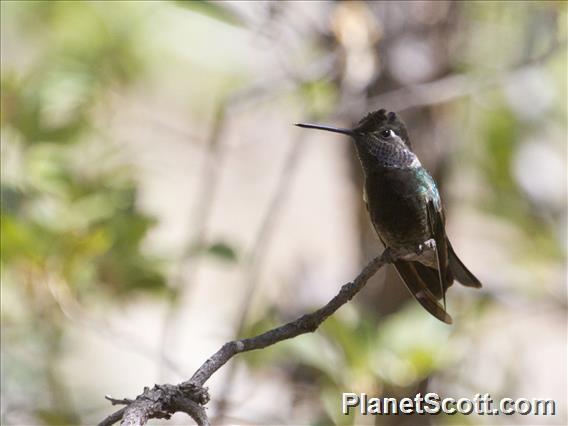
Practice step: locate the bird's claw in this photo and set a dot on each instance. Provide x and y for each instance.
(426, 245)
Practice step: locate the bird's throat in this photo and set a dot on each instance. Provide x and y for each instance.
(388, 155)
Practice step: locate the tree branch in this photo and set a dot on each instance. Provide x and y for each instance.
(445, 89)
(190, 396)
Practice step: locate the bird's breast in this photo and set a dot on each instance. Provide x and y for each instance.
(396, 202)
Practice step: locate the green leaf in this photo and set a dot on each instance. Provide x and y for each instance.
(221, 251)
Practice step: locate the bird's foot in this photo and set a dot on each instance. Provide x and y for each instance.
(411, 254)
(429, 245)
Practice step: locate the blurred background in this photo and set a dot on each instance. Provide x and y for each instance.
(157, 201)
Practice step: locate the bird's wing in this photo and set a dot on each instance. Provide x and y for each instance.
(415, 281)
(412, 278)
(417, 287)
(438, 231)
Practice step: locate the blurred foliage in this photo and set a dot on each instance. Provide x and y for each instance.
(505, 121)
(502, 133)
(72, 230)
(353, 352)
(69, 212)
(212, 9)
(59, 208)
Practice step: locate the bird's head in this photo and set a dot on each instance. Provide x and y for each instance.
(382, 127)
(380, 137)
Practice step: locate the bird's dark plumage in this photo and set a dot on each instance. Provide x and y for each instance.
(406, 210)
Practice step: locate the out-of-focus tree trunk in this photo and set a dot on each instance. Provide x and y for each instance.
(395, 32)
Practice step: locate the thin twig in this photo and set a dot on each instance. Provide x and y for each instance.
(190, 396)
(443, 90)
(76, 313)
(305, 324)
(209, 184)
(114, 401)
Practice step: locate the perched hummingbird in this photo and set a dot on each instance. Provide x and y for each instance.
(406, 209)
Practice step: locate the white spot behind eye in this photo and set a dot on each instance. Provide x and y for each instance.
(388, 133)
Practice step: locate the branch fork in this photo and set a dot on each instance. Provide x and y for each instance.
(191, 396)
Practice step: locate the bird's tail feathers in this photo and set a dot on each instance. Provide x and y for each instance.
(419, 289)
(459, 270)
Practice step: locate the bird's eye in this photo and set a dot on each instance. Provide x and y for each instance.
(387, 133)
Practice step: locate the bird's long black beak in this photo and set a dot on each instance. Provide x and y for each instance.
(348, 132)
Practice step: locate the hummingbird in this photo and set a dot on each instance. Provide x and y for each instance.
(406, 209)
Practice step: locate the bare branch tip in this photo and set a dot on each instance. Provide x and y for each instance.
(190, 397)
(116, 401)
